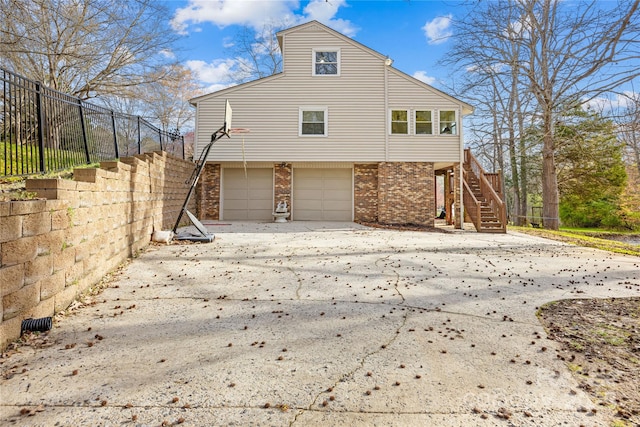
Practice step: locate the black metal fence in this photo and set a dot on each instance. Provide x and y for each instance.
(43, 130)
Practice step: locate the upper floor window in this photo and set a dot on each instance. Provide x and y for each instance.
(326, 62)
(313, 121)
(424, 122)
(399, 122)
(448, 123)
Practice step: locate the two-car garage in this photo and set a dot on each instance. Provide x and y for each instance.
(318, 194)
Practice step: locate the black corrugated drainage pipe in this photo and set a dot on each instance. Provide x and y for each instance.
(36, 325)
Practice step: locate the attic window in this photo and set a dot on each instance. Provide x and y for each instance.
(326, 62)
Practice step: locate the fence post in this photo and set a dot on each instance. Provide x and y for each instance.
(139, 138)
(40, 130)
(115, 134)
(84, 132)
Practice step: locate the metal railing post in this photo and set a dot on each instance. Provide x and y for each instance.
(139, 138)
(84, 132)
(40, 118)
(115, 134)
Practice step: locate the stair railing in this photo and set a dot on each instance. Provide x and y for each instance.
(488, 191)
(473, 207)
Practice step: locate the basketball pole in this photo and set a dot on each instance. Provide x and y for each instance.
(198, 171)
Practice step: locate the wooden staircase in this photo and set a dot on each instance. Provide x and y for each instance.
(483, 198)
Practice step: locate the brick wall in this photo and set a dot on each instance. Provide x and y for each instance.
(365, 192)
(282, 188)
(52, 250)
(209, 192)
(406, 193)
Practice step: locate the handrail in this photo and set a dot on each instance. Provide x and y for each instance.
(470, 200)
(487, 187)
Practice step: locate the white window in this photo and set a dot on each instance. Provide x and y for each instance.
(448, 124)
(326, 62)
(423, 122)
(313, 121)
(399, 122)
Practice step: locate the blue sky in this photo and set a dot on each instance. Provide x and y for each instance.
(412, 33)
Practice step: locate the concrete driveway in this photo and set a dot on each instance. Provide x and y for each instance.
(320, 324)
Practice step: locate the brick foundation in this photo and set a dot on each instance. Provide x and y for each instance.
(365, 193)
(209, 192)
(406, 193)
(282, 188)
(389, 193)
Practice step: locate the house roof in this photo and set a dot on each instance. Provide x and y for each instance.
(466, 108)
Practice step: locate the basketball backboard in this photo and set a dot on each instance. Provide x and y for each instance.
(228, 113)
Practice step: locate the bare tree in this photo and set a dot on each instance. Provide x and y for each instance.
(567, 54)
(257, 53)
(167, 100)
(575, 54)
(486, 48)
(628, 121)
(86, 48)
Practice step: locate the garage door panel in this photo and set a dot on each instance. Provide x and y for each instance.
(337, 195)
(309, 184)
(333, 184)
(337, 173)
(236, 194)
(259, 194)
(336, 205)
(247, 197)
(308, 204)
(322, 194)
(236, 204)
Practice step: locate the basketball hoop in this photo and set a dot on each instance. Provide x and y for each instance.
(234, 131)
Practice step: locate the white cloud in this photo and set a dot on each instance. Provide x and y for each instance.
(216, 72)
(423, 77)
(167, 54)
(224, 13)
(438, 30)
(615, 102)
(324, 12)
(256, 14)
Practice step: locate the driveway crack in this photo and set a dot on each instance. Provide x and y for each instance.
(383, 347)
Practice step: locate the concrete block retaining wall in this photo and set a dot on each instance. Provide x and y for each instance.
(52, 250)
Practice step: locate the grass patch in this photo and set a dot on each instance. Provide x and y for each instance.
(24, 159)
(582, 237)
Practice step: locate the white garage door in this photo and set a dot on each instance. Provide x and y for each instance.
(322, 195)
(247, 198)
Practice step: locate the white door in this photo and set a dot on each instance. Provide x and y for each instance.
(322, 195)
(247, 198)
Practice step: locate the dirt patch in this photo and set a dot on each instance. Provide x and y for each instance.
(600, 341)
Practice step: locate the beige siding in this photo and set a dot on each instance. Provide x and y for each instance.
(406, 94)
(357, 113)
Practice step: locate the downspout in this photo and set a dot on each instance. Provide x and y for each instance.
(461, 136)
(387, 63)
